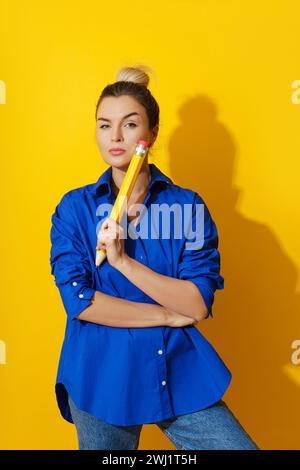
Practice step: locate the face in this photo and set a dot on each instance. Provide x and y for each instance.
(115, 130)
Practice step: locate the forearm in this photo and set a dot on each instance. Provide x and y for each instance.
(178, 295)
(113, 311)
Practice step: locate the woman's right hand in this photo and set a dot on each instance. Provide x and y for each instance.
(176, 319)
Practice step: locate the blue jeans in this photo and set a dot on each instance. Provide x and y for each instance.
(214, 427)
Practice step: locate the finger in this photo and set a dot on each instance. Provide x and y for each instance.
(110, 228)
(102, 247)
(104, 225)
(112, 232)
(114, 229)
(102, 238)
(113, 223)
(117, 228)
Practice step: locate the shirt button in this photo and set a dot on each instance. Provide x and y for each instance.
(163, 382)
(141, 256)
(81, 296)
(160, 351)
(74, 283)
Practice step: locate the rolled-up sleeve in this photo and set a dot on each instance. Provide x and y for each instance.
(69, 261)
(201, 262)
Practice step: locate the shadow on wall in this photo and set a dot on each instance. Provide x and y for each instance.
(256, 316)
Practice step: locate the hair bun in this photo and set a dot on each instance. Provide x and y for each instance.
(134, 74)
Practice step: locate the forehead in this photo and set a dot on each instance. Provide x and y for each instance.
(112, 107)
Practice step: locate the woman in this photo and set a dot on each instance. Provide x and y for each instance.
(131, 353)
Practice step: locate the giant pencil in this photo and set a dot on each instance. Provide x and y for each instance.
(126, 189)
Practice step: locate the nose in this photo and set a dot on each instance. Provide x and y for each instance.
(116, 135)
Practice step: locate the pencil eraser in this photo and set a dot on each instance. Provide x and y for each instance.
(144, 142)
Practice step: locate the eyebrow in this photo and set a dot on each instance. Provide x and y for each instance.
(124, 117)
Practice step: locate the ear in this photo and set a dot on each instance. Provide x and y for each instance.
(154, 133)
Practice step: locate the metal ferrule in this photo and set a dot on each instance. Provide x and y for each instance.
(140, 150)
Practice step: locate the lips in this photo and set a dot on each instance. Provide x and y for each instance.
(116, 151)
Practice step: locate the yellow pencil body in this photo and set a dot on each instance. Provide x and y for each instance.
(125, 189)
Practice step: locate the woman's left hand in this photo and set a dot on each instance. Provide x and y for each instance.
(110, 240)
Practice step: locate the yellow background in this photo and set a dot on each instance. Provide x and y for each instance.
(229, 130)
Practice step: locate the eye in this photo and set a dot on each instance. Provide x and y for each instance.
(102, 127)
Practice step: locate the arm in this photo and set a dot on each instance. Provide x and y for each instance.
(73, 277)
(113, 311)
(178, 295)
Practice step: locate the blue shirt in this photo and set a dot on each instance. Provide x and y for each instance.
(129, 376)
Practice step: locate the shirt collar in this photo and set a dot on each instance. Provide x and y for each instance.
(105, 179)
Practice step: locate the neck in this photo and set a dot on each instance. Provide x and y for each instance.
(141, 184)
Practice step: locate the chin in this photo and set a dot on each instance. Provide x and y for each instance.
(120, 160)
(119, 164)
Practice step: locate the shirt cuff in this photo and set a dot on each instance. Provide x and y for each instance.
(75, 298)
(207, 293)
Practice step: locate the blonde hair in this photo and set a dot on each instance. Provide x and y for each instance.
(136, 74)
